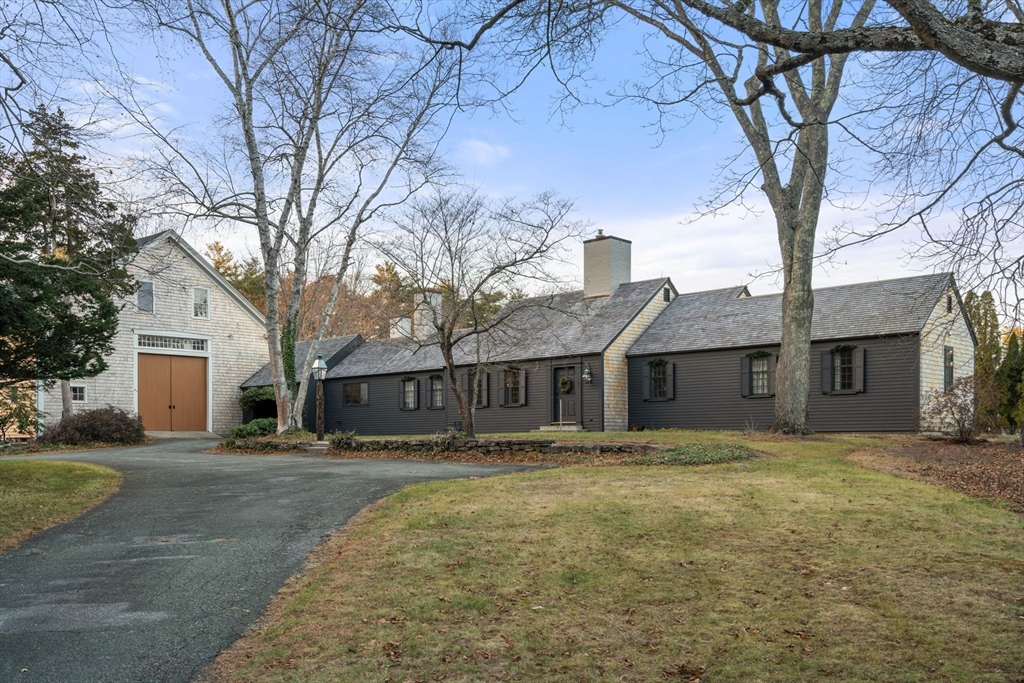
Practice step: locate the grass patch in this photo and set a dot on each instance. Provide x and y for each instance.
(35, 495)
(798, 567)
(696, 454)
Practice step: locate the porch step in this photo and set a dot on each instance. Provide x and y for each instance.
(561, 428)
(318, 447)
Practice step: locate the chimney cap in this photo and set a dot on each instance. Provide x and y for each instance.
(602, 236)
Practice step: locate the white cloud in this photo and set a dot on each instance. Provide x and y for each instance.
(482, 153)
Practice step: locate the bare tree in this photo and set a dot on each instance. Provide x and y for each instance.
(701, 64)
(460, 253)
(330, 120)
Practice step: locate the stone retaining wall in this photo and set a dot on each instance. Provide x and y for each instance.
(493, 446)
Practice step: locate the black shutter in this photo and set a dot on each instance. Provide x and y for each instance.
(502, 389)
(464, 384)
(401, 394)
(647, 382)
(773, 360)
(670, 380)
(745, 376)
(522, 387)
(826, 372)
(858, 370)
(485, 389)
(416, 395)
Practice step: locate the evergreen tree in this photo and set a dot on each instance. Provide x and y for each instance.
(245, 276)
(985, 320)
(1008, 380)
(64, 250)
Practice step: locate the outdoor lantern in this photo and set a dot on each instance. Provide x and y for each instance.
(320, 369)
(587, 377)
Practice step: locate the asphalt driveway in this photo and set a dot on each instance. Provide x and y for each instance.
(152, 584)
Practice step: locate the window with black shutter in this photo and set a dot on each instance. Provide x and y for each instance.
(842, 370)
(436, 391)
(408, 400)
(513, 387)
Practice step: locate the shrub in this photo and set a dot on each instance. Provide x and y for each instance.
(341, 440)
(257, 428)
(103, 425)
(954, 411)
(695, 454)
(253, 395)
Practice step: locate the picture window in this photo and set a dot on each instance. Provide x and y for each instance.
(356, 394)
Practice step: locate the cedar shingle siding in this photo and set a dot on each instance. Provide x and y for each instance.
(708, 391)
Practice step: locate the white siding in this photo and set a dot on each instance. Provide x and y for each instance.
(944, 329)
(616, 366)
(236, 345)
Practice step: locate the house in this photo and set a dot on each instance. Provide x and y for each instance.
(333, 350)
(185, 342)
(878, 348)
(559, 362)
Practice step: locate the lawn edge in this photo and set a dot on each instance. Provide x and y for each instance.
(18, 539)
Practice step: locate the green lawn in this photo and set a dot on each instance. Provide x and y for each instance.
(803, 566)
(37, 494)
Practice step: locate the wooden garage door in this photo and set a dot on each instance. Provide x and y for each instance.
(172, 393)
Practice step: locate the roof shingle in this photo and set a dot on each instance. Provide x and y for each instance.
(543, 327)
(718, 319)
(328, 347)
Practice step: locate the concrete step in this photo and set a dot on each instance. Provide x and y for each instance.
(318, 447)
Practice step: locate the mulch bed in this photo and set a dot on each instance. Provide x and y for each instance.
(991, 470)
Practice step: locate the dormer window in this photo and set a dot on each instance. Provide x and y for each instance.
(201, 303)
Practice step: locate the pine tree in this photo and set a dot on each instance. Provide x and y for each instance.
(64, 250)
(1008, 380)
(985, 320)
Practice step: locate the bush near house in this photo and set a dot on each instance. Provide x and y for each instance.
(264, 426)
(102, 425)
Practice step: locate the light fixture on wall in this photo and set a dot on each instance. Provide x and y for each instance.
(588, 377)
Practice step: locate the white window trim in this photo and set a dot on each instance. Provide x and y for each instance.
(139, 310)
(208, 297)
(85, 393)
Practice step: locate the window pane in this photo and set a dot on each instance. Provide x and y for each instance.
(409, 394)
(144, 297)
(659, 388)
(355, 394)
(842, 370)
(200, 303)
(759, 375)
(78, 394)
(511, 387)
(436, 392)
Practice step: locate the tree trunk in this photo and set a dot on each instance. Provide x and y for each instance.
(793, 372)
(67, 405)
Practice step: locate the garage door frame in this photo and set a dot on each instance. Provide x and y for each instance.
(162, 351)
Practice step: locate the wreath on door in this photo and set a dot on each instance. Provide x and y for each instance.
(565, 385)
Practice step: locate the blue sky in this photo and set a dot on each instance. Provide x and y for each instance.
(624, 179)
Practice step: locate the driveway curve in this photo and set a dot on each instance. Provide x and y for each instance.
(153, 583)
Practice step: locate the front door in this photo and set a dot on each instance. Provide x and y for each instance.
(172, 393)
(566, 391)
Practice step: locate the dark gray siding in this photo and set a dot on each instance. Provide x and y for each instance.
(707, 390)
(382, 415)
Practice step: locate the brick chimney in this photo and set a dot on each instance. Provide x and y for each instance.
(606, 264)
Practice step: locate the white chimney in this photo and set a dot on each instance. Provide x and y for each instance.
(401, 328)
(427, 305)
(606, 264)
